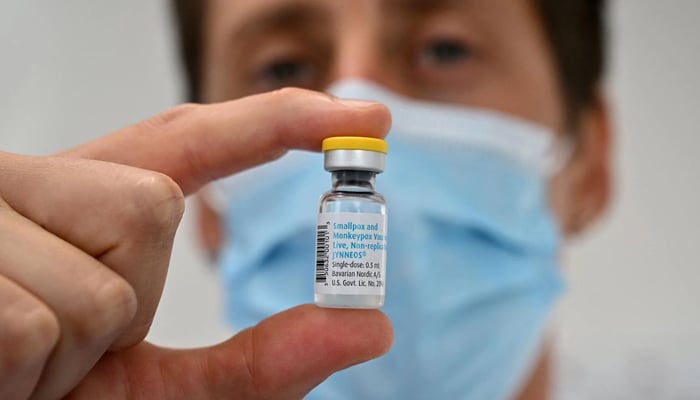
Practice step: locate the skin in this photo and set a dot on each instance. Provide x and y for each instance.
(85, 235)
(249, 44)
(489, 54)
(85, 241)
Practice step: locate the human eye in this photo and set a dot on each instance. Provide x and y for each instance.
(440, 56)
(442, 52)
(286, 71)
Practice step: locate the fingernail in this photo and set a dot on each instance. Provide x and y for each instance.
(357, 103)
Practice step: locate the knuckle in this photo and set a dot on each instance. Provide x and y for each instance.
(252, 366)
(157, 203)
(163, 123)
(105, 310)
(166, 198)
(28, 333)
(172, 115)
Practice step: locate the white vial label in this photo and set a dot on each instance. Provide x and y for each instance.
(350, 253)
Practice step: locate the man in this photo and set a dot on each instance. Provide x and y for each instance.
(539, 61)
(84, 246)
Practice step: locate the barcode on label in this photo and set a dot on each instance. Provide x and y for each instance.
(322, 238)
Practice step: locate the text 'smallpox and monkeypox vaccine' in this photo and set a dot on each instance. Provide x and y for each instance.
(351, 230)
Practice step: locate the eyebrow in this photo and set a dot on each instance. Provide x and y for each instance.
(287, 17)
(418, 7)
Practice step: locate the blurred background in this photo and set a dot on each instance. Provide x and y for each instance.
(629, 326)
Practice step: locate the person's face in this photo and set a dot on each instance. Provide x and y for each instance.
(481, 53)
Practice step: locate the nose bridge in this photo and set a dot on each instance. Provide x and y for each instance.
(356, 56)
(358, 47)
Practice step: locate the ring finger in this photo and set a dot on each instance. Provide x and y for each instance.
(91, 303)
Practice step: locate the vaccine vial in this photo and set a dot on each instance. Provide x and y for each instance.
(351, 229)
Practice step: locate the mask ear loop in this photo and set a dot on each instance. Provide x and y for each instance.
(558, 156)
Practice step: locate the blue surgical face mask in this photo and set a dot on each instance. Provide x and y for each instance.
(472, 248)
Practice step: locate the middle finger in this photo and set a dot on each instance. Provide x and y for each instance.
(92, 303)
(125, 217)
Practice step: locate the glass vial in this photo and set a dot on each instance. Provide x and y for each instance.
(351, 229)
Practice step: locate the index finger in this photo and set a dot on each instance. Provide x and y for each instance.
(195, 144)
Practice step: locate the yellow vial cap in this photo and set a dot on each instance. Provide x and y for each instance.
(354, 143)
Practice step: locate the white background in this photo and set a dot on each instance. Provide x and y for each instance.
(629, 326)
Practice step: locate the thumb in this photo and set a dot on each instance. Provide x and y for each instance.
(283, 357)
(288, 354)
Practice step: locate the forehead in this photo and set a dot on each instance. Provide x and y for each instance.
(246, 15)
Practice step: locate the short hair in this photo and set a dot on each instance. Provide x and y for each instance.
(189, 20)
(575, 30)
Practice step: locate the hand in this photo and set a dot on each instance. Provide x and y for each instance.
(85, 241)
